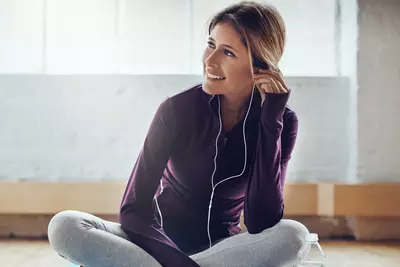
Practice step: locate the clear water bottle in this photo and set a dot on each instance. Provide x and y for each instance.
(311, 254)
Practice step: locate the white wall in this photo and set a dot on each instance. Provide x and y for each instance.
(379, 91)
(77, 127)
(57, 128)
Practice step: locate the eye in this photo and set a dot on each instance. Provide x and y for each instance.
(229, 53)
(210, 44)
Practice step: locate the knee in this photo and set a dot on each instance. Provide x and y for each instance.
(293, 233)
(63, 227)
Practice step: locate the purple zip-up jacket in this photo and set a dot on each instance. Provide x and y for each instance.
(186, 154)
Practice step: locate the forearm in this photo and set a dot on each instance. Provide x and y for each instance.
(264, 196)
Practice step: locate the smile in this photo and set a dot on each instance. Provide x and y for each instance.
(215, 76)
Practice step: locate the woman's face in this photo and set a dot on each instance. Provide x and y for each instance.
(226, 63)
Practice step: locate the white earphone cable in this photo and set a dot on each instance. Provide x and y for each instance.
(215, 161)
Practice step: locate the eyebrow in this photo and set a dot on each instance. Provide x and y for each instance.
(223, 44)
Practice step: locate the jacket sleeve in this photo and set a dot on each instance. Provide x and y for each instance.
(137, 216)
(264, 197)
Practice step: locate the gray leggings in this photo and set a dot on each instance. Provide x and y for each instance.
(93, 242)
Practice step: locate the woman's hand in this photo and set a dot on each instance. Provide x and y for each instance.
(270, 82)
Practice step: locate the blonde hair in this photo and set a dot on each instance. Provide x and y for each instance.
(261, 28)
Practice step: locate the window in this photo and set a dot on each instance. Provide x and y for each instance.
(21, 36)
(148, 37)
(155, 37)
(80, 36)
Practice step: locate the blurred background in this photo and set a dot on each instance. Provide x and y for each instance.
(80, 81)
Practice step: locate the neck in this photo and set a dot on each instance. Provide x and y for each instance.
(233, 109)
(235, 103)
(232, 104)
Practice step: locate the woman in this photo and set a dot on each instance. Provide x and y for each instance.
(211, 152)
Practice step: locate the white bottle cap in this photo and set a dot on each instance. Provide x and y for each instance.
(312, 237)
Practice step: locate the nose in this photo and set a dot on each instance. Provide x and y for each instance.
(211, 61)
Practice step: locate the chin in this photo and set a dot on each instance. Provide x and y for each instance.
(207, 88)
(211, 88)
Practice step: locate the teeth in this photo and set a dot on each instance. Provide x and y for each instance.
(215, 77)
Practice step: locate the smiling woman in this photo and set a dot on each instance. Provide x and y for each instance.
(232, 64)
(212, 152)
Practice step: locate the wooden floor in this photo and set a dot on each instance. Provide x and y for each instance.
(24, 253)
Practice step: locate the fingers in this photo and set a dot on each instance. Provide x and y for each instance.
(270, 85)
(268, 88)
(270, 73)
(279, 87)
(274, 76)
(275, 86)
(265, 85)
